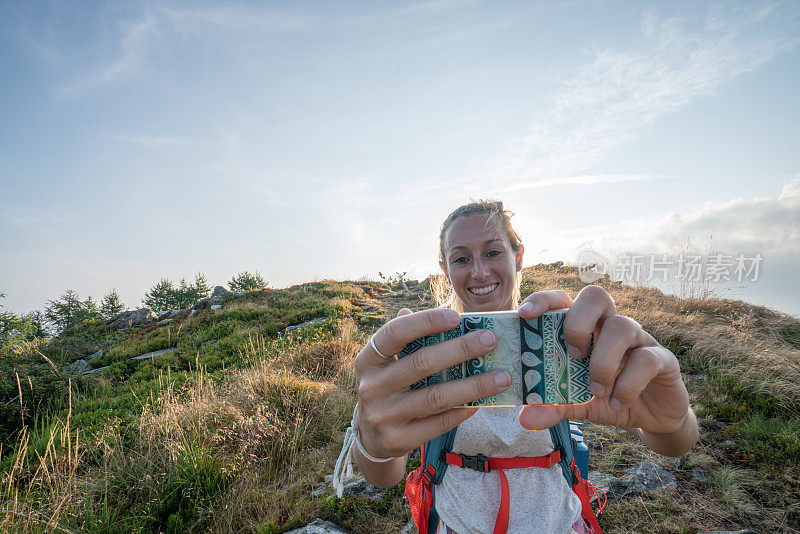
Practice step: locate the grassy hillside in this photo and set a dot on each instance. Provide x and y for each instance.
(233, 430)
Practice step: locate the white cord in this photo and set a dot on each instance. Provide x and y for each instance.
(343, 471)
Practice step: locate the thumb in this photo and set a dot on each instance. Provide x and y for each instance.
(542, 416)
(404, 311)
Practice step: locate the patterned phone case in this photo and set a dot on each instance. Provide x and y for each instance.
(532, 351)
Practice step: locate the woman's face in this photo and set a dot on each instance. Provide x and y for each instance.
(480, 264)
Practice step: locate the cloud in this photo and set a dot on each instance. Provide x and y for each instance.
(760, 225)
(136, 41)
(622, 91)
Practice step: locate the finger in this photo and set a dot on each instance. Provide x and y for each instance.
(427, 428)
(441, 397)
(642, 366)
(592, 305)
(543, 301)
(404, 311)
(619, 333)
(434, 358)
(539, 417)
(397, 333)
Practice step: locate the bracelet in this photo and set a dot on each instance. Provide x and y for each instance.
(343, 470)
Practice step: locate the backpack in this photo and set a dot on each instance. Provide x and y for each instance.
(436, 456)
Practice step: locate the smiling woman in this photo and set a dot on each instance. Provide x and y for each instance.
(513, 482)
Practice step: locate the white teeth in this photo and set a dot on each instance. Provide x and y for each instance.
(484, 290)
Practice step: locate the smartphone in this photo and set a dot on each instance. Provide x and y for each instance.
(531, 350)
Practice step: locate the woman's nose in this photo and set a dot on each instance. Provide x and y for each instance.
(479, 270)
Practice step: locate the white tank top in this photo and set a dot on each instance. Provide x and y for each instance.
(541, 500)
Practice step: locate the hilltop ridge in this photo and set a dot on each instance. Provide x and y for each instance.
(241, 417)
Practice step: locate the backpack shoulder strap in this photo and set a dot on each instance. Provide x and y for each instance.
(562, 441)
(433, 454)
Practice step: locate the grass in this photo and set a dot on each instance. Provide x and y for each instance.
(233, 431)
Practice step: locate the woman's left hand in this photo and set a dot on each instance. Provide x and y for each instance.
(636, 381)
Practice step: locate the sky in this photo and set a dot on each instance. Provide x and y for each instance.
(310, 140)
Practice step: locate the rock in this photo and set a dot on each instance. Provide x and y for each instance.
(79, 367)
(318, 526)
(128, 319)
(697, 375)
(362, 488)
(745, 531)
(644, 477)
(96, 356)
(729, 443)
(720, 425)
(154, 354)
(165, 321)
(216, 306)
(698, 474)
(191, 313)
(328, 478)
(219, 296)
(318, 320)
(319, 490)
(409, 528)
(98, 370)
(209, 342)
(220, 291)
(164, 315)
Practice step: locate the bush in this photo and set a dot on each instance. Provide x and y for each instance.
(164, 296)
(247, 282)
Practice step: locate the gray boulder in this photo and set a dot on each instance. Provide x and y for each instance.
(79, 367)
(318, 320)
(409, 528)
(95, 356)
(154, 354)
(644, 477)
(318, 526)
(129, 319)
(362, 488)
(219, 296)
(745, 531)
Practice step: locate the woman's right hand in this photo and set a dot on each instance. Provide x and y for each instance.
(393, 419)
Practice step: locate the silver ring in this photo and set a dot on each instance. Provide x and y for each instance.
(379, 353)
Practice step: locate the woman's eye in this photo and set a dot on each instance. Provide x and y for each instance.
(493, 253)
(460, 259)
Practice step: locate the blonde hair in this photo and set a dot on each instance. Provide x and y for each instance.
(497, 218)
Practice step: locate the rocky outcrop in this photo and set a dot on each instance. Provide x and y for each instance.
(129, 319)
(643, 477)
(154, 354)
(319, 526)
(318, 320)
(219, 296)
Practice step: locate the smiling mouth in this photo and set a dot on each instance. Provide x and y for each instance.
(483, 290)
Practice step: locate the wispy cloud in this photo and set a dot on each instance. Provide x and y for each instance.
(620, 92)
(137, 39)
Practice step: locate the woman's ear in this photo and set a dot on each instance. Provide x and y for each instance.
(520, 252)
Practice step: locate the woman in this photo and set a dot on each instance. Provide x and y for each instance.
(636, 382)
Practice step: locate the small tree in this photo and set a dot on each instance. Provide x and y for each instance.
(68, 312)
(161, 297)
(201, 286)
(164, 296)
(247, 282)
(111, 305)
